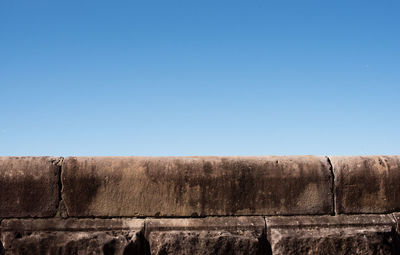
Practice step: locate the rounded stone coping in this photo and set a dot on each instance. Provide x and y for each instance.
(29, 186)
(196, 186)
(366, 184)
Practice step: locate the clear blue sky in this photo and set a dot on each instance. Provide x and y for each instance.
(199, 77)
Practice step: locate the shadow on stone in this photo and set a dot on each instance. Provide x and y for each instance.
(139, 246)
(396, 242)
(109, 248)
(264, 247)
(79, 190)
(1, 249)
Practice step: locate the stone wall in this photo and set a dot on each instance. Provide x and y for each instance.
(200, 205)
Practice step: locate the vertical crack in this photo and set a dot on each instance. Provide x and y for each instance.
(333, 187)
(61, 212)
(144, 228)
(59, 181)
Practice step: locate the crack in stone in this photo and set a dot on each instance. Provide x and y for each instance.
(61, 210)
(333, 187)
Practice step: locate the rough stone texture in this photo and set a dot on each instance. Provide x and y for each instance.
(396, 216)
(73, 236)
(343, 234)
(358, 234)
(367, 184)
(239, 235)
(196, 186)
(28, 186)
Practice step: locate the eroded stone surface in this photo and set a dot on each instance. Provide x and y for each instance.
(396, 216)
(28, 186)
(240, 235)
(356, 234)
(196, 186)
(367, 234)
(72, 236)
(367, 184)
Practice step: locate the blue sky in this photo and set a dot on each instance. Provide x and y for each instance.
(199, 77)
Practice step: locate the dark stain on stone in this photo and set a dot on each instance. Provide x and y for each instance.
(24, 194)
(138, 247)
(264, 247)
(392, 187)
(242, 182)
(203, 198)
(154, 170)
(236, 185)
(351, 192)
(2, 252)
(17, 235)
(207, 168)
(79, 189)
(396, 242)
(30, 194)
(109, 248)
(74, 246)
(388, 241)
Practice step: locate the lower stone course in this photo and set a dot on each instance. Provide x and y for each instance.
(73, 236)
(344, 234)
(356, 234)
(226, 235)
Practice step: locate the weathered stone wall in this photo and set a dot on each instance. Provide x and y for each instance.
(200, 205)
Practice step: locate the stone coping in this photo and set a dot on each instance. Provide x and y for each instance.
(107, 187)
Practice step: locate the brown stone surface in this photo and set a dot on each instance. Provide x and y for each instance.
(396, 216)
(71, 224)
(227, 235)
(343, 234)
(356, 234)
(187, 186)
(367, 184)
(73, 236)
(28, 186)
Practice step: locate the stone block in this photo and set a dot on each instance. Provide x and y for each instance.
(196, 186)
(396, 216)
(344, 234)
(367, 184)
(74, 236)
(29, 186)
(226, 235)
